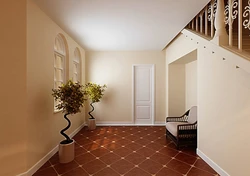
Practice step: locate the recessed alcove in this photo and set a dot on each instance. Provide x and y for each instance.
(182, 81)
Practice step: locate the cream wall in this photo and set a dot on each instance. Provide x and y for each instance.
(115, 70)
(13, 87)
(176, 90)
(43, 124)
(191, 84)
(223, 98)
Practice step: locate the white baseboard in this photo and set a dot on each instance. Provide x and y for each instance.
(211, 163)
(42, 161)
(127, 123)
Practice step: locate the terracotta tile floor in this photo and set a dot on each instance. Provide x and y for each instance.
(127, 151)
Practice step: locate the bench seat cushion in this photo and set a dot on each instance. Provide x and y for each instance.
(172, 127)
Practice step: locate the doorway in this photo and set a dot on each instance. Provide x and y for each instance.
(143, 94)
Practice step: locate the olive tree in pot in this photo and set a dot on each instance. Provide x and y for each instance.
(94, 93)
(70, 98)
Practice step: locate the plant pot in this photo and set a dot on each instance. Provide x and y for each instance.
(91, 124)
(67, 152)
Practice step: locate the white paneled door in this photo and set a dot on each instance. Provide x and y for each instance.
(143, 94)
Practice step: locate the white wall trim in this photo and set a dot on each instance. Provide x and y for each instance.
(42, 161)
(129, 124)
(211, 163)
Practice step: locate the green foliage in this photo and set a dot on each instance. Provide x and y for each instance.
(94, 91)
(70, 97)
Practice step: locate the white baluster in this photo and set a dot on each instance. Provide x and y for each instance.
(240, 25)
(196, 21)
(201, 21)
(206, 20)
(231, 15)
(220, 37)
(211, 12)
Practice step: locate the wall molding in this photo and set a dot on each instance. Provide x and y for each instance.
(211, 163)
(42, 161)
(157, 123)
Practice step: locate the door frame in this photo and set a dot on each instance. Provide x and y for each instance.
(152, 88)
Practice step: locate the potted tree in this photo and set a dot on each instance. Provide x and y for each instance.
(70, 98)
(94, 93)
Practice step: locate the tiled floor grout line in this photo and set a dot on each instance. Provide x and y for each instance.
(144, 139)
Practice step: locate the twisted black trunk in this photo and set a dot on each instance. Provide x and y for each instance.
(92, 117)
(68, 140)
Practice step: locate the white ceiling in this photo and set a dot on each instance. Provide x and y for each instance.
(109, 25)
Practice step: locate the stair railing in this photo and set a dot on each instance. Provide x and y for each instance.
(225, 22)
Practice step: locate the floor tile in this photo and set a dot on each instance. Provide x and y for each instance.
(198, 172)
(126, 150)
(46, 172)
(91, 146)
(84, 158)
(133, 146)
(137, 172)
(45, 166)
(135, 158)
(150, 166)
(79, 151)
(178, 166)
(63, 168)
(154, 146)
(145, 152)
(94, 166)
(186, 158)
(99, 152)
(107, 172)
(160, 158)
(76, 172)
(122, 151)
(110, 158)
(122, 166)
(112, 146)
(166, 171)
(169, 152)
(204, 166)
